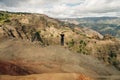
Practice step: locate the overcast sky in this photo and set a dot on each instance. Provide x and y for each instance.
(64, 8)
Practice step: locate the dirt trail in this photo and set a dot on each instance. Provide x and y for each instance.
(34, 59)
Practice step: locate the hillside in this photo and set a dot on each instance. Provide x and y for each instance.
(20, 57)
(30, 44)
(104, 25)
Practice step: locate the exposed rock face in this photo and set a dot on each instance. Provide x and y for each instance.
(25, 26)
(21, 53)
(92, 34)
(12, 69)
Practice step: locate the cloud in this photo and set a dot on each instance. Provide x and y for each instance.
(101, 6)
(11, 3)
(64, 8)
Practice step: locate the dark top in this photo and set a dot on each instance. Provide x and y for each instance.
(62, 36)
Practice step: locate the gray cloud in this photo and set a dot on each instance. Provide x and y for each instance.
(12, 3)
(64, 8)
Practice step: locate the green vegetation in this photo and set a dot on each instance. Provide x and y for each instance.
(71, 43)
(82, 47)
(112, 59)
(109, 53)
(4, 17)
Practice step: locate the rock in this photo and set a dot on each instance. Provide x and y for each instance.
(49, 76)
(92, 34)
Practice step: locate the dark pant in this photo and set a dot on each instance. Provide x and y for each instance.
(62, 41)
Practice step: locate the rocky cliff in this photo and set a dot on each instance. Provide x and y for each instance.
(30, 44)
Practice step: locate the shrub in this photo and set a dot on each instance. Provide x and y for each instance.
(4, 17)
(82, 47)
(71, 43)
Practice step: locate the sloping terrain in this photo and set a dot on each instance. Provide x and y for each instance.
(104, 25)
(48, 76)
(35, 59)
(30, 44)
